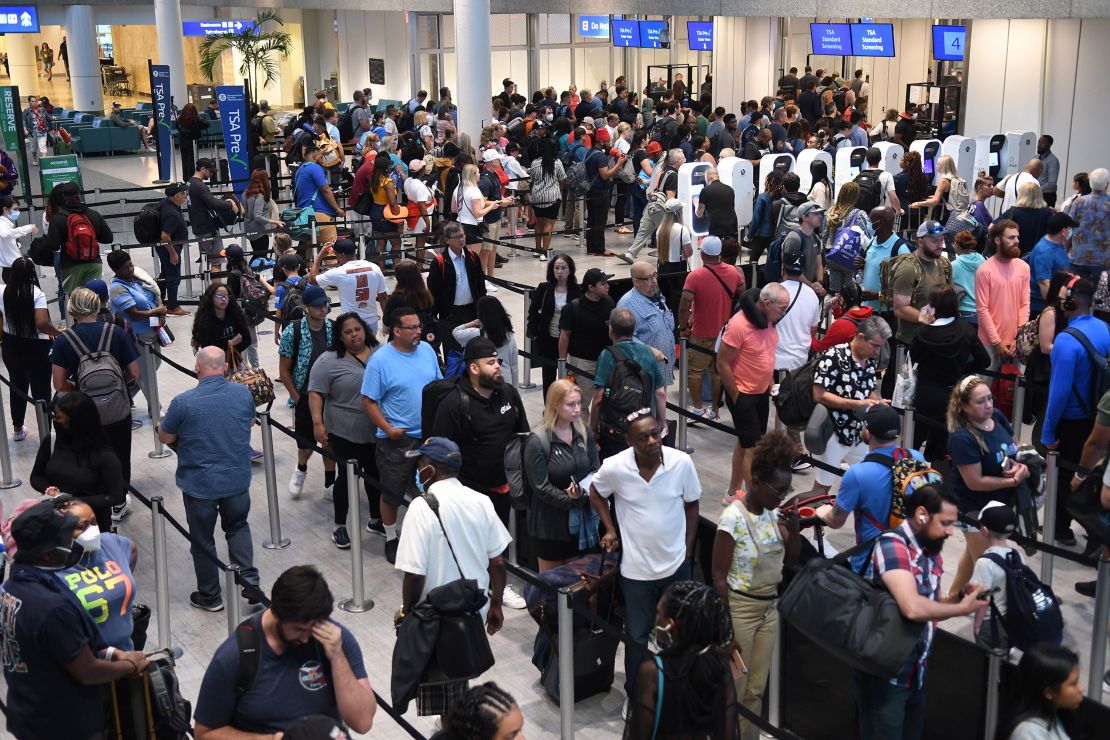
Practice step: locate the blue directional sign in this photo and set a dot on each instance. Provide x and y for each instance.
(593, 26)
(19, 19)
(211, 28)
(700, 34)
(626, 33)
(873, 39)
(649, 34)
(831, 38)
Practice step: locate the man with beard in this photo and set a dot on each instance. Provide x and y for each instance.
(914, 276)
(481, 415)
(1002, 293)
(284, 663)
(908, 561)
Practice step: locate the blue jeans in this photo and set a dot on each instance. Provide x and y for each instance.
(169, 273)
(640, 600)
(888, 712)
(201, 514)
(637, 200)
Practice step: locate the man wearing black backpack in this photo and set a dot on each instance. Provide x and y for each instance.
(202, 208)
(876, 185)
(77, 231)
(628, 379)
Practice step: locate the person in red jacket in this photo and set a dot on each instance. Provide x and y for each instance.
(846, 307)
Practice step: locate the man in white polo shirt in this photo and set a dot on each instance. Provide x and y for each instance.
(655, 488)
(360, 283)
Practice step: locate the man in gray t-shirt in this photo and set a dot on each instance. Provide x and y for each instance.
(360, 116)
(804, 240)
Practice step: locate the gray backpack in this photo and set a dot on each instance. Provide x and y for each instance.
(100, 377)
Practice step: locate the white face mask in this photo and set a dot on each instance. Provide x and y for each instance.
(549, 117)
(89, 540)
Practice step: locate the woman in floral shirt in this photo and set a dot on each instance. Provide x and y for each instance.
(753, 542)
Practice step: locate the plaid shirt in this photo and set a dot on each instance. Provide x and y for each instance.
(654, 326)
(895, 553)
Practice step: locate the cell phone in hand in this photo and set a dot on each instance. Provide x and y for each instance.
(988, 593)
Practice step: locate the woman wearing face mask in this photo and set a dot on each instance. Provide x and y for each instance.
(78, 461)
(9, 233)
(1048, 694)
(752, 543)
(104, 570)
(981, 445)
(684, 690)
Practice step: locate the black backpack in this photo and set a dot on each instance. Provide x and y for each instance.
(151, 705)
(1100, 373)
(748, 134)
(629, 389)
(1032, 609)
(148, 224)
(870, 190)
(347, 125)
(292, 308)
(794, 403)
(434, 394)
(834, 144)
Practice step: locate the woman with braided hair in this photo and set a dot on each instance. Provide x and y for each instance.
(753, 542)
(683, 692)
(485, 712)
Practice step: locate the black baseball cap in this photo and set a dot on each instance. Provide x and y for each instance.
(997, 517)
(880, 419)
(794, 262)
(594, 276)
(479, 348)
(42, 528)
(175, 187)
(344, 246)
(206, 163)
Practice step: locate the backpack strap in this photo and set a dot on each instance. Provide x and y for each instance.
(76, 343)
(1097, 362)
(106, 338)
(722, 282)
(249, 643)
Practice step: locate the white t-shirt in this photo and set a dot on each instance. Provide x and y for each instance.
(987, 573)
(680, 237)
(795, 328)
(359, 284)
(886, 185)
(464, 198)
(9, 246)
(418, 192)
(1010, 185)
(622, 145)
(39, 300)
(472, 525)
(425, 131)
(653, 532)
(390, 126)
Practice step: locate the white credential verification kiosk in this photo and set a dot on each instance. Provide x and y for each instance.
(691, 180)
(774, 162)
(929, 149)
(738, 174)
(962, 151)
(804, 166)
(892, 156)
(1017, 149)
(850, 161)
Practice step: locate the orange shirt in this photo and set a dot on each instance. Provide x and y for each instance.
(754, 363)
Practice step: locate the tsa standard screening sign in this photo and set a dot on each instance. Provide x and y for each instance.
(19, 19)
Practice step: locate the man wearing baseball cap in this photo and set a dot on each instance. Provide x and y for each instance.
(174, 234)
(804, 240)
(584, 322)
(997, 522)
(914, 276)
(600, 171)
(865, 489)
(360, 284)
(202, 204)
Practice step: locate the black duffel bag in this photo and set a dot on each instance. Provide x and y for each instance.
(1085, 506)
(855, 619)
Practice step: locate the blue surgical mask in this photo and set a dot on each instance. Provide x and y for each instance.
(419, 483)
(13, 215)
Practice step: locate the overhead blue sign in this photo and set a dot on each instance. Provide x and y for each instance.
(19, 19)
(649, 34)
(160, 94)
(212, 28)
(700, 34)
(831, 38)
(233, 111)
(873, 39)
(949, 43)
(626, 33)
(593, 26)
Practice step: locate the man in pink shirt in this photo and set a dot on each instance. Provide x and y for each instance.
(1002, 293)
(746, 362)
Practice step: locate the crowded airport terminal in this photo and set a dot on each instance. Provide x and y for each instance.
(477, 371)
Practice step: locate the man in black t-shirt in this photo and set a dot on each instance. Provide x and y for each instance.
(175, 232)
(809, 102)
(718, 202)
(600, 174)
(904, 131)
(584, 322)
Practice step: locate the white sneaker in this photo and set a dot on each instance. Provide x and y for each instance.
(512, 599)
(329, 492)
(119, 512)
(624, 709)
(296, 482)
(491, 288)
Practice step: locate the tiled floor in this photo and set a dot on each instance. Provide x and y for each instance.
(307, 522)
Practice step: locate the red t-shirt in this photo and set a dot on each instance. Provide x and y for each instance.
(842, 330)
(712, 306)
(363, 178)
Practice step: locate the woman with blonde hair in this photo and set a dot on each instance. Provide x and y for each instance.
(423, 129)
(981, 445)
(951, 189)
(558, 457)
(674, 239)
(1031, 214)
(843, 213)
(471, 206)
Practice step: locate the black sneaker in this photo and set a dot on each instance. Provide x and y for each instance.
(1066, 538)
(1087, 588)
(376, 526)
(198, 602)
(341, 539)
(391, 550)
(253, 595)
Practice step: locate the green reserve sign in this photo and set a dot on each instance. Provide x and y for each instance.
(56, 170)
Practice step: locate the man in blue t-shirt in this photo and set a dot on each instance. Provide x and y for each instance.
(1048, 256)
(303, 664)
(312, 188)
(866, 488)
(392, 389)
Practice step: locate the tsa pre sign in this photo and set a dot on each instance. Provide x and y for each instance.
(160, 93)
(233, 110)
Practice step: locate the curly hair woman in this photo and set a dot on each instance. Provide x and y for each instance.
(753, 542)
(220, 321)
(485, 712)
(688, 679)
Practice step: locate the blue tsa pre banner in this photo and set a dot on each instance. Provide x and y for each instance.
(233, 111)
(160, 94)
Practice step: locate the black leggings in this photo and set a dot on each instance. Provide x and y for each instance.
(118, 437)
(345, 449)
(546, 349)
(28, 362)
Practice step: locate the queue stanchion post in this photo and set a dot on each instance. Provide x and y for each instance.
(990, 703)
(561, 373)
(683, 391)
(276, 541)
(774, 680)
(42, 417)
(525, 382)
(1019, 407)
(908, 423)
(231, 596)
(1050, 493)
(566, 665)
(358, 601)
(153, 404)
(161, 576)
(9, 480)
(187, 266)
(900, 358)
(1099, 637)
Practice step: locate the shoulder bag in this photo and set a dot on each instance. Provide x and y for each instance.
(255, 379)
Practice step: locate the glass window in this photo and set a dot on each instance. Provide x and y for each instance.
(555, 68)
(591, 66)
(447, 30)
(427, 31)
(450, 78)
(554, 28)
(512, 64)
(509, 30)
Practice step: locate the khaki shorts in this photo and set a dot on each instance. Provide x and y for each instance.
(699, 362)
(493, 231)
(325, 234)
